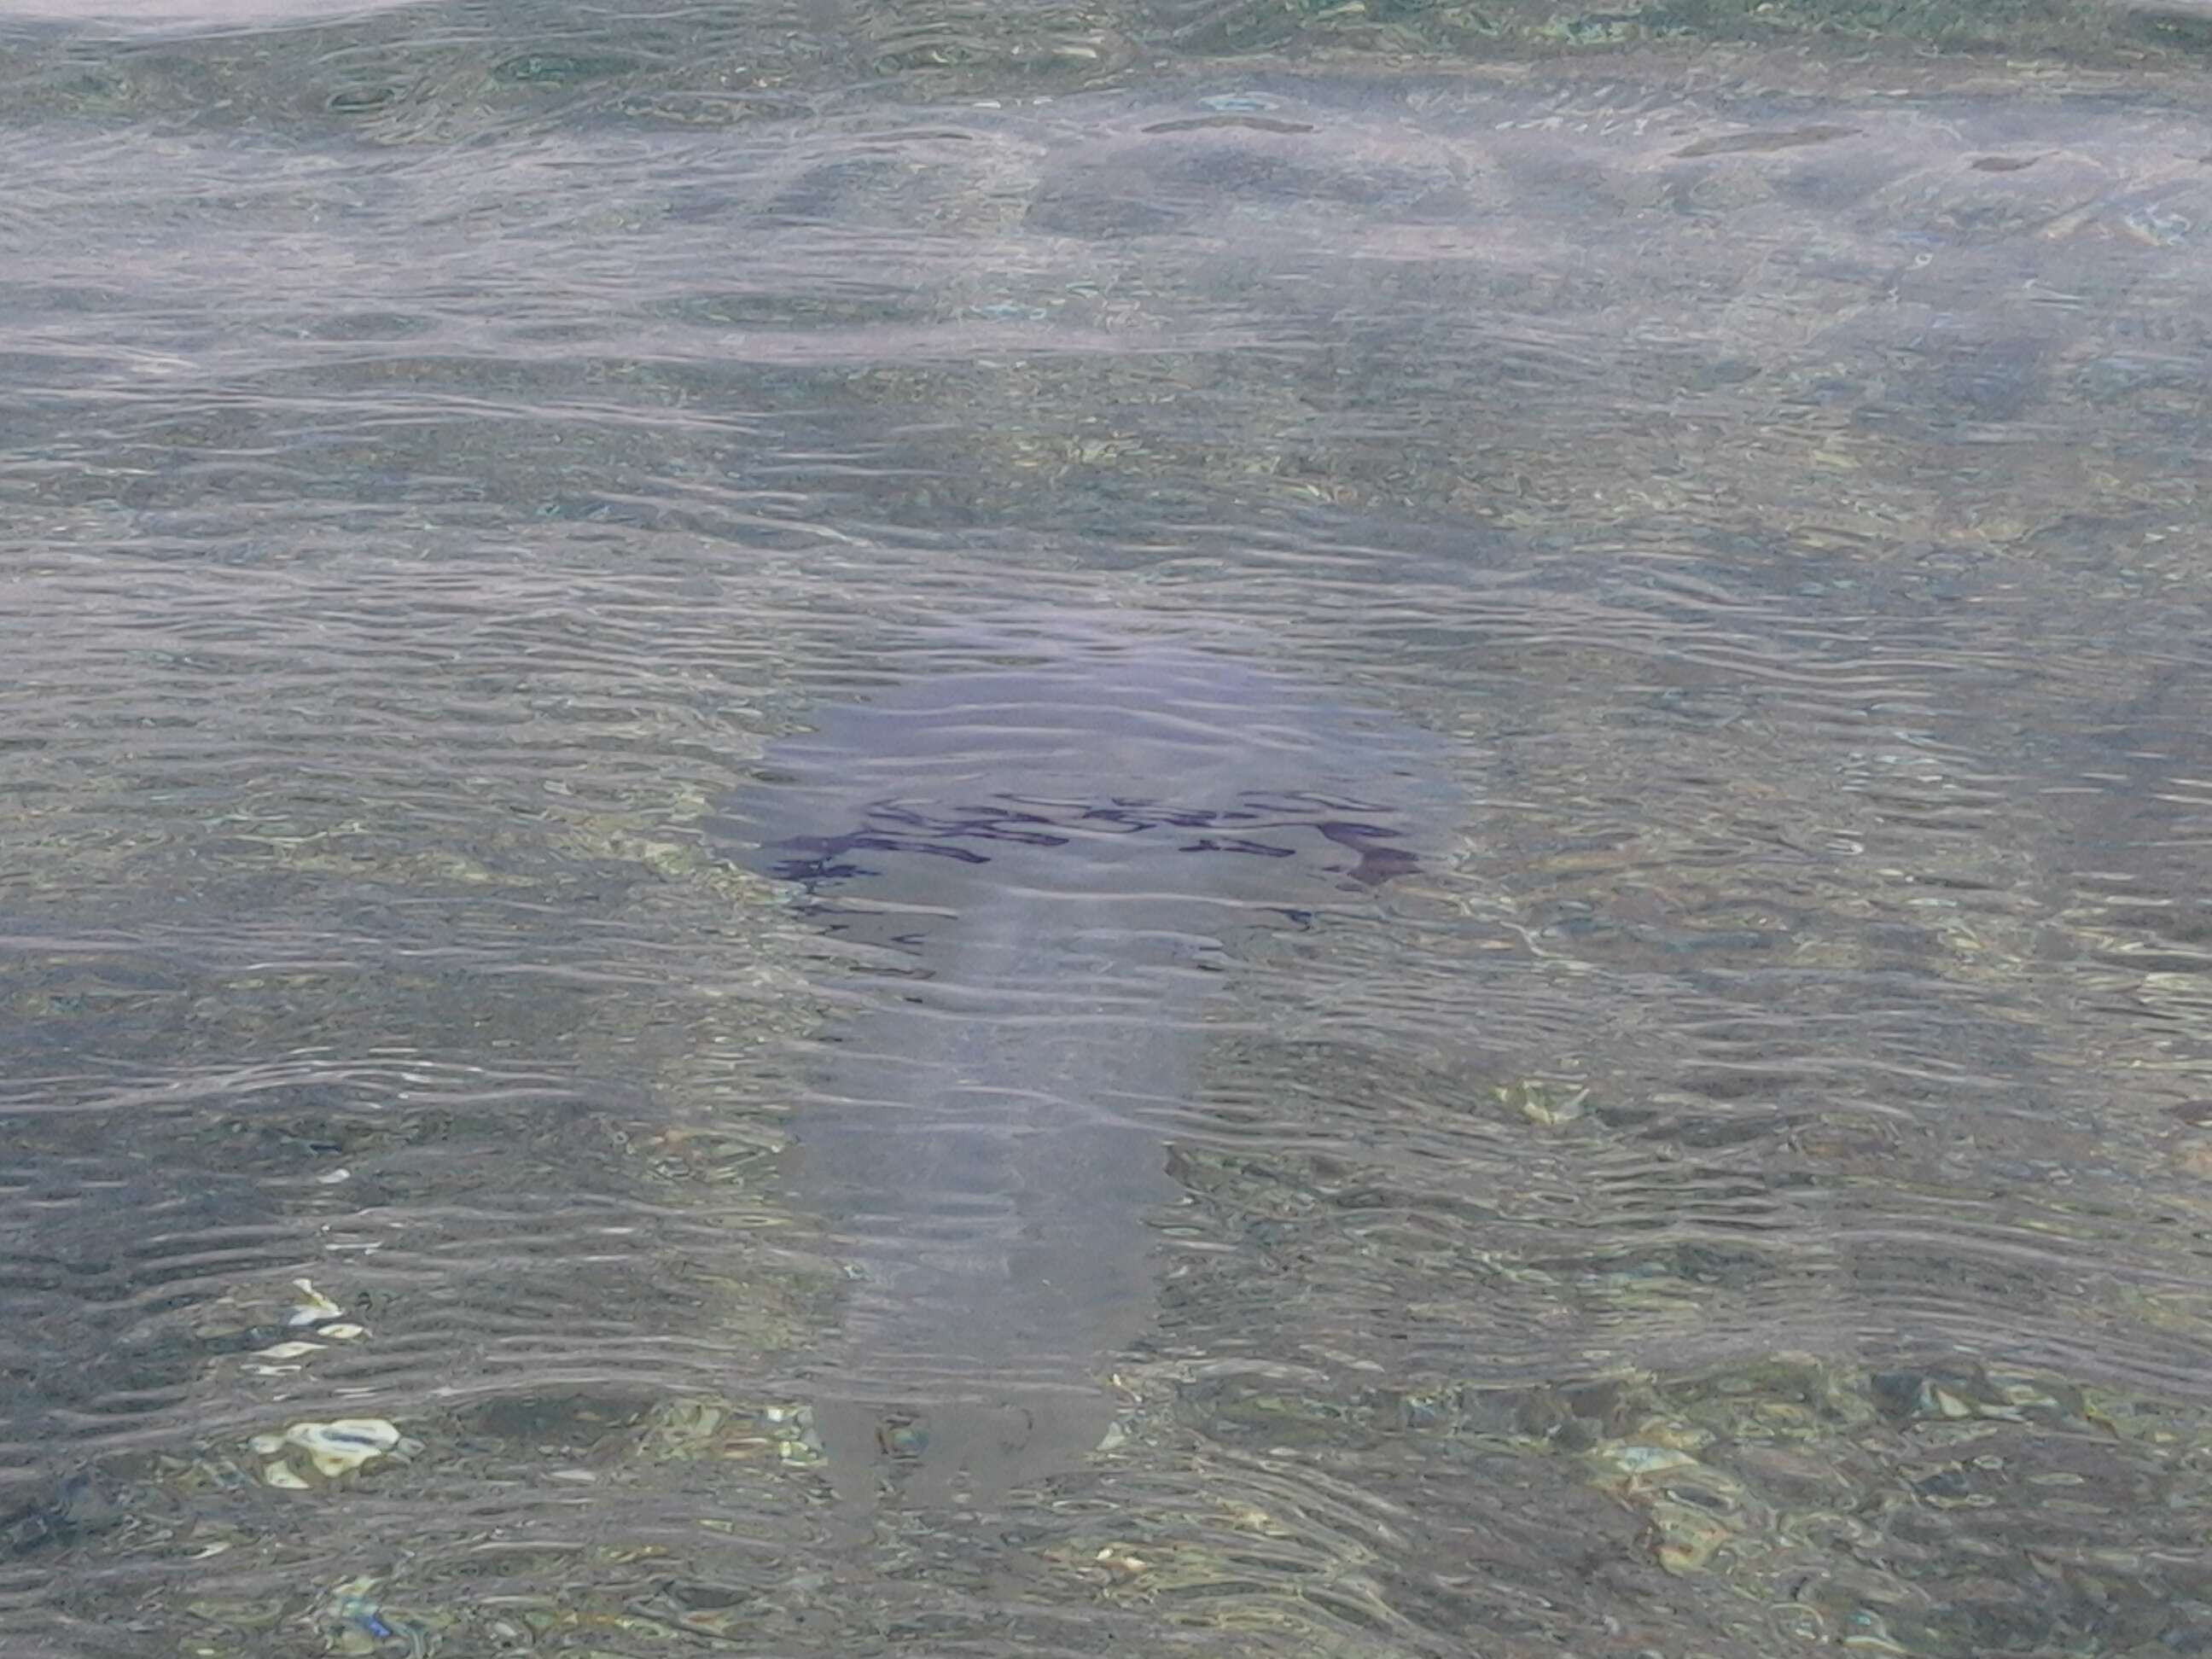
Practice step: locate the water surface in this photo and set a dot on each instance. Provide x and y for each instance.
(702, 713)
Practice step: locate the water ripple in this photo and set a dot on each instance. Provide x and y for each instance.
(1732, 1179)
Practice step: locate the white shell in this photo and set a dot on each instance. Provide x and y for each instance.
(315, 1308)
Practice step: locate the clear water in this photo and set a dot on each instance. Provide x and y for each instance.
(1011, 830)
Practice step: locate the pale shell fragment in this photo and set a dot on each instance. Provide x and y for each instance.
(314, 1308)
(346, 1444)
(335, 1448)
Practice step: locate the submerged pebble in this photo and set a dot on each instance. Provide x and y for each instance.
(361, 1626)
(314, 1307)
(335, 1449)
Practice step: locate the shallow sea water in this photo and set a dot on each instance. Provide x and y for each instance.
(1242, 829)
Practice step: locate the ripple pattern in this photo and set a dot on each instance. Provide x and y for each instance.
(1739, 1185)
